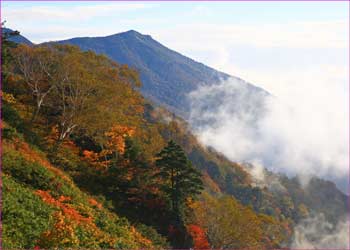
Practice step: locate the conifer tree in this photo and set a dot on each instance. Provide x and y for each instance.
(180, 179)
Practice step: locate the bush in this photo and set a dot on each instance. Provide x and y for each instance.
(30, 173)
(10, 133)
(24, 215)
(153, 235)
(11, 116)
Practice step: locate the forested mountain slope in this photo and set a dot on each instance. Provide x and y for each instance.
(91, 162)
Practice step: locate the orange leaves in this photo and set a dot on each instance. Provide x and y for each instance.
(91, 156)
(144, 242)
(68, 221)
(116, 137)
(198, 236)
(96, 159)
(47, 198)
(33, 156)
(115, 143)
(94, 203)
(67, 209)
(61, 234)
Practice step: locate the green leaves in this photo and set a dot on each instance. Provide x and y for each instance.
(180, 179)
(24, 215)
(30, 173)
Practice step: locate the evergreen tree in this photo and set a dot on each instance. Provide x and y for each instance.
(180, 179)
(6, 44)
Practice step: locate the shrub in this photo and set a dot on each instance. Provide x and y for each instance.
(11, 116)
(153, 235)
(9, 133)
(24, 171)
(24, 215)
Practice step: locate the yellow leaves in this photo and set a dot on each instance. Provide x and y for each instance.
(61, 234)
(230, 224)
(116, 137)
(115, 143)
(144, 242)
(95, 158)
(9, 98)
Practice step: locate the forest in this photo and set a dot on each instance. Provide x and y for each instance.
(89, 162)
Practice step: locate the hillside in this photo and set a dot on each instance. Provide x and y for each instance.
(94, 174)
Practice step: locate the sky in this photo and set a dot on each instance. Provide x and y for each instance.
(298, 51)
(260, 42)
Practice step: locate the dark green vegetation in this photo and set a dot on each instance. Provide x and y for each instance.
(89, 162)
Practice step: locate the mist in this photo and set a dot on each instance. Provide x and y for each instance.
(317, 233)
(303, 133)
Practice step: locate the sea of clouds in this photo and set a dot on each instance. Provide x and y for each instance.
(305, 134)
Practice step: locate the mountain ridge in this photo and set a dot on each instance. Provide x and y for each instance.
(18, 39)
(167, 78)
(125, 175)
(178, 104)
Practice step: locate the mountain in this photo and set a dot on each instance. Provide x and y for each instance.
(17, 39)
(167, 76)
(100, 186)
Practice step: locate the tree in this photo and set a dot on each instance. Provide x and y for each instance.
(180, 179)
(229, 224)
(79, 90)
(6, 45)
(198, 237)
(95, 95)
(38, 68)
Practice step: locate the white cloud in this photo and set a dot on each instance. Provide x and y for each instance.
(316, 233)
(68, 13)
(48, 22)
(304, 133)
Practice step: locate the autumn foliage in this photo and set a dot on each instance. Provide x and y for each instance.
(198, 236)
(114, 146)
(67, 210)
(90, 163)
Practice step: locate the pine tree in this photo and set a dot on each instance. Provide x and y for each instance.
(180, 179)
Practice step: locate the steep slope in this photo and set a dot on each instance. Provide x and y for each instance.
(167, 76)
(44, 208)
(118, 167)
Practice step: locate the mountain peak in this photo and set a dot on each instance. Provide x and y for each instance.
(132, 33)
